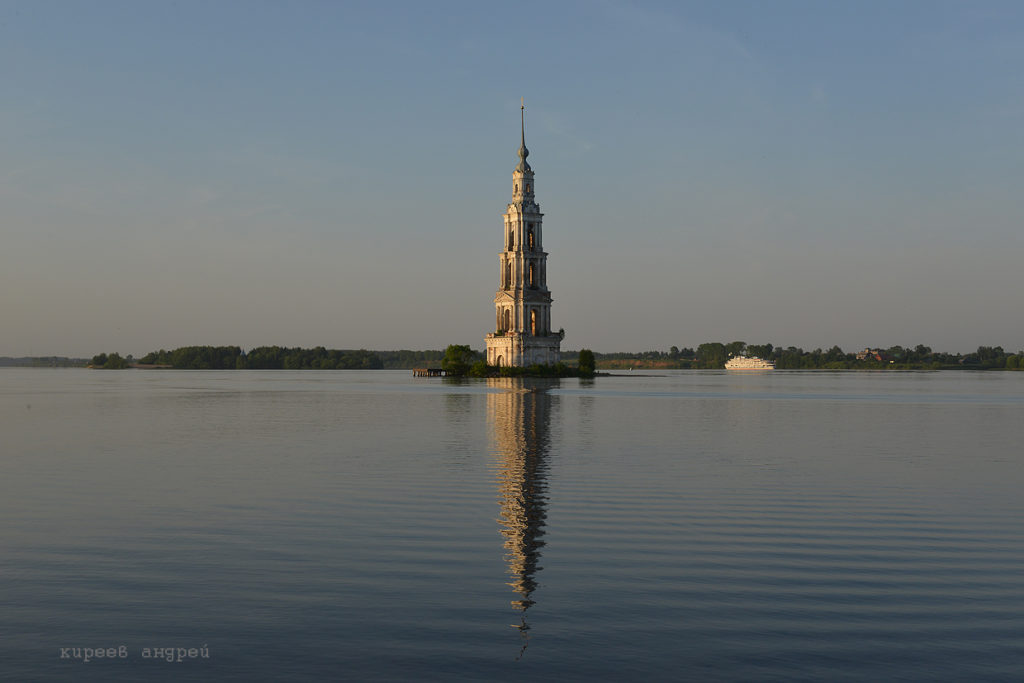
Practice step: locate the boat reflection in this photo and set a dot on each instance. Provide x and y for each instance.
(519, 416)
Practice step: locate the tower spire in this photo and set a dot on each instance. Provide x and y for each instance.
(523, 152)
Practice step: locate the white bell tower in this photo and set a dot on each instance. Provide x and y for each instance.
(522, 334)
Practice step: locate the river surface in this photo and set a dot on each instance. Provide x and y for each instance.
(349, 525)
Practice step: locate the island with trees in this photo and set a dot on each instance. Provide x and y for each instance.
(462, 361)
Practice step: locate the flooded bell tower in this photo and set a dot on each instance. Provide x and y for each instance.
(522, 305)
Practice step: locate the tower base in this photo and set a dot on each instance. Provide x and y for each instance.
(522, 350)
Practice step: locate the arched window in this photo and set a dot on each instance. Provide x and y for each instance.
(508, 320)
(532, 283)
(533, 323)
(508, 274)
(529, 237)
(511, 239)
(501, 361)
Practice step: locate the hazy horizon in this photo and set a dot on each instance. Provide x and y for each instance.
(260, 174)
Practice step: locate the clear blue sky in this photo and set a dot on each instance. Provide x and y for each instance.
(305, 173)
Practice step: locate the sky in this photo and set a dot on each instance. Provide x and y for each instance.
(333, 174)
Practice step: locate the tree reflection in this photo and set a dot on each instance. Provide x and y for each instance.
(520, 416)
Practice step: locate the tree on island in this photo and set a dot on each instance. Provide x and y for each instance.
(587, 364)
(457, 359)
(113, 361)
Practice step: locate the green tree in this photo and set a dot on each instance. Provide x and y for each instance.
(115, 362)
(711, 355)
(736, 348)
(479, 369)
(457, 359)
(587, 363)
(992, 356)
(896, 353)
(834, 355)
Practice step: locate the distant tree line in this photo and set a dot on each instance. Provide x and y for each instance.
(285, 358)
(405, 359)
(263, 358)
(712, 355)
(266, 358)
(42, 362)
(463, 360)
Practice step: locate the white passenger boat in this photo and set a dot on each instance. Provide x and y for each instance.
(749, 363)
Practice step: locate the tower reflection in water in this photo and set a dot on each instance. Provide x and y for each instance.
(519, 416)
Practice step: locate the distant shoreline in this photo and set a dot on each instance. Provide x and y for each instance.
(707, 356)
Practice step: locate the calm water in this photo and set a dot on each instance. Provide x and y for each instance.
(367, 525)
